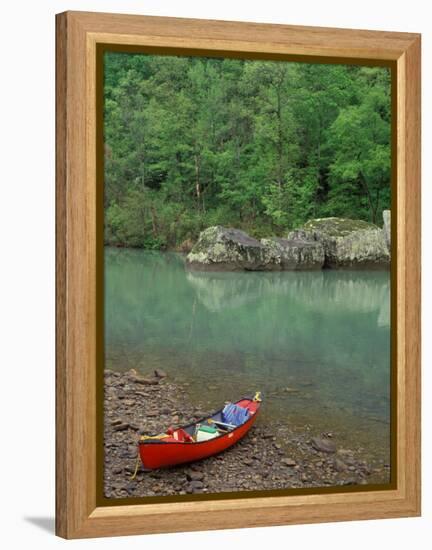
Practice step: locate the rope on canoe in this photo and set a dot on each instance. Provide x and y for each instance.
(160, 436)
(136, 466)
(143, 438)
(257, 397)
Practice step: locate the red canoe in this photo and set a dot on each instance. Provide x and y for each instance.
(180, 445)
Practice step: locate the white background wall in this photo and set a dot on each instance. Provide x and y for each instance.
(27, 269)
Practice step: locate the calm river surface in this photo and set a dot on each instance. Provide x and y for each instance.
(317, 344)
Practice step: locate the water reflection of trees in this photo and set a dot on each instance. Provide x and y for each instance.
(324, 291)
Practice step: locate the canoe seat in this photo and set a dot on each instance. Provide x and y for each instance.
(179, 435)
(251, 406)
(235, 415)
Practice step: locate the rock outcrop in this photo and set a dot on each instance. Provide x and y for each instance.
(347, 243)
(225, 249)
(294, 254)
(320, 243)
(387, 227)
(222, 249)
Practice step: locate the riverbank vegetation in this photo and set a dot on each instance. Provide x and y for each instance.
(262, 146)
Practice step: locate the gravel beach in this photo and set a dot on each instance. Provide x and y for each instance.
(274, 456)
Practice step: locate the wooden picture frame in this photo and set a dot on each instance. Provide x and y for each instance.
(78, 228)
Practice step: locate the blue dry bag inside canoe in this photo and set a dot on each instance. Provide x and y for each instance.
(235, 415)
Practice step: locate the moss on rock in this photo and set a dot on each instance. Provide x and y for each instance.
(338, 227)
(347, 243)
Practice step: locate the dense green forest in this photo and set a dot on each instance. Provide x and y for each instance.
(258, 145)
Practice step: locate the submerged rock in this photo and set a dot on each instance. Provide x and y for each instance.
(323, 444)
(159, 373)
(347, 243)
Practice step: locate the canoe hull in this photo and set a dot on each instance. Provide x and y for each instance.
(158, 454)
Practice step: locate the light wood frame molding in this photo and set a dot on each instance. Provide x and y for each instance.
(78, 34)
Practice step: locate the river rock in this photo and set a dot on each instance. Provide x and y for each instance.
(347, 243)
(131, 486)
(159, 373)
(223, 249)
(288, 462)
(195, 487)
(323, 445)
(146, 381)
(193, 475)
(132, 372)
(116, 422)
(294, 254)
(121, 427)
(339, 465)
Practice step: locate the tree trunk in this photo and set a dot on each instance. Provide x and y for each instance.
(377, 196)
(372, 208)
(197, 178)
(198, 187)
(280, 137)
(154, 221)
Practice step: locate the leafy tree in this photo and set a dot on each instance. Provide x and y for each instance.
(360, 170)
(260, 145)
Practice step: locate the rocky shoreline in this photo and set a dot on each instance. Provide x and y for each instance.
(273, 456)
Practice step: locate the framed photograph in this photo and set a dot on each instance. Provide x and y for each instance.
(238, 275)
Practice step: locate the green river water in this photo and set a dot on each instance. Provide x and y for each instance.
(317, 344)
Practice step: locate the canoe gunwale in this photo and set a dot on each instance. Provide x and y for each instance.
(204, 419)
